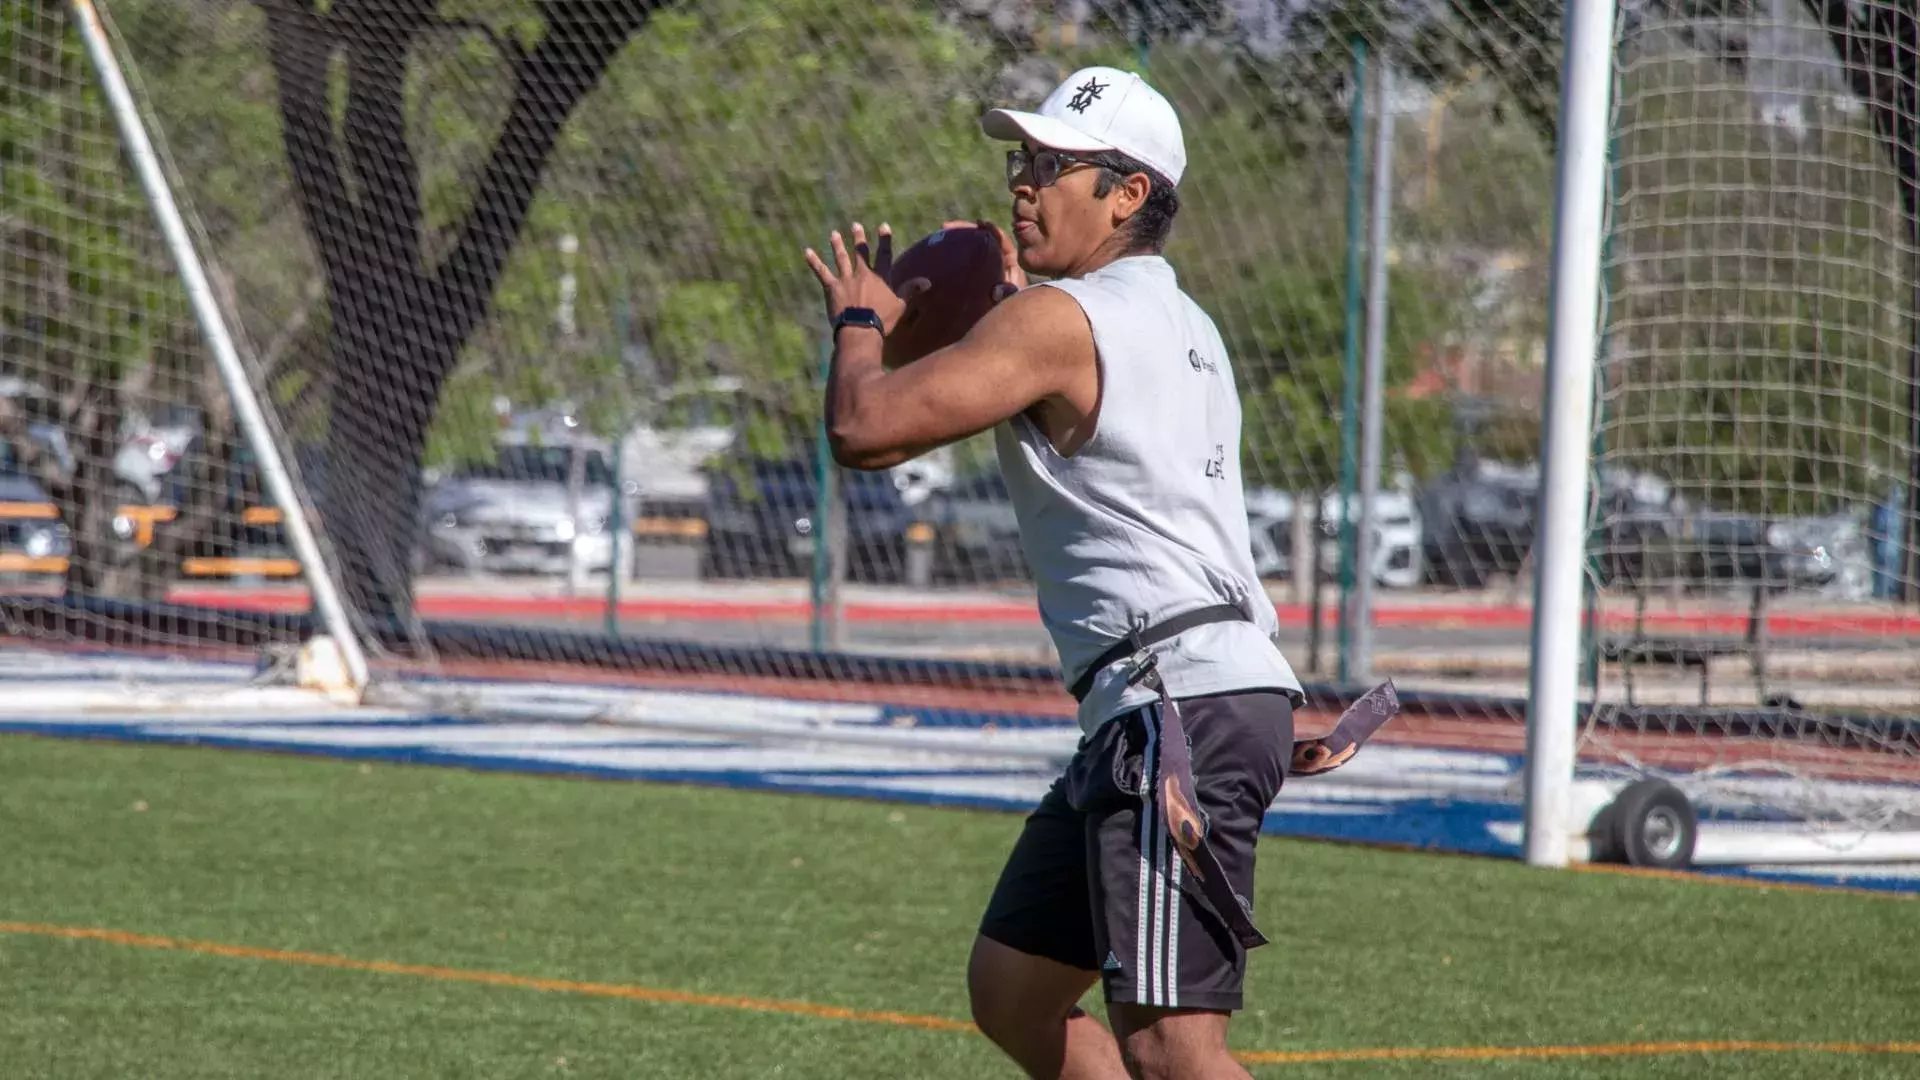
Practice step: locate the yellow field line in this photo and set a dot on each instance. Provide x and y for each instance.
(1637, 1049)
(921, 1020)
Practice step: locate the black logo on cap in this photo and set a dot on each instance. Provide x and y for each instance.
(1086, 94)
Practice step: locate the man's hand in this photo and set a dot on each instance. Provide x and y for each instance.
(859, 280)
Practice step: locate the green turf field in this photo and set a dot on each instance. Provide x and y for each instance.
(783, 899)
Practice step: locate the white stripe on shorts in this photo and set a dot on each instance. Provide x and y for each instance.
(1146, 954)
(1173, 926)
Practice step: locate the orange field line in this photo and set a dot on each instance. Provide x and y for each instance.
(1763, 884)
(486, 978)
(921, 1020)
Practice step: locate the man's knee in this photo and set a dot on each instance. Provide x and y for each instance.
(989, 997)
(1150, 1056)
(1016, 997)
(1161, 1044)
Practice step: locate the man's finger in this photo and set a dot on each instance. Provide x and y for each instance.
(819, 268)
(860, 246)
(883, 253)
(841, 261)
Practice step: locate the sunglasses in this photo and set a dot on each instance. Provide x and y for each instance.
(1045, 166)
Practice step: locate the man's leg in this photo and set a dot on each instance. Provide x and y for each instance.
(1161, 1044)
(1029, 1006)
(1174, 970)
(1034, 960)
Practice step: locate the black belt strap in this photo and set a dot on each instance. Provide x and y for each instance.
(1153, 635)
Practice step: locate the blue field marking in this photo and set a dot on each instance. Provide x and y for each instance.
(1316, 809)
(1403, 796)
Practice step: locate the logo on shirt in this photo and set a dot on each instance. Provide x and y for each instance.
(1217, 467)
(1198, 362)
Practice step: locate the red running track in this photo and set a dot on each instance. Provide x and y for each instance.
(473, 606)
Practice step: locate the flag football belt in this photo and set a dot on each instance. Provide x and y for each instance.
(1172, 778)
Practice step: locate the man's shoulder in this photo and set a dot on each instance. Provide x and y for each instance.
(1037, 322)
(1127, 282)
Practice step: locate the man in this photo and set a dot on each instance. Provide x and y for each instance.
(1118, 431)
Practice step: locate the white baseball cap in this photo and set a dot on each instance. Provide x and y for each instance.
(1099, 109)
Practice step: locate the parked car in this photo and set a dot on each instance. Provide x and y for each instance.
(1270, 531)
(923, 477)
(761, 521)
(1398, 561)
(518, 514)
(25, 539)
(975, 534)
(1700, 549)
(1397, 556)
(1476, 523)
(1831, 553)
(667, 462)
(157, 441)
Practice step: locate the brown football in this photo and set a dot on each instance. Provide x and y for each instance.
(962, 268)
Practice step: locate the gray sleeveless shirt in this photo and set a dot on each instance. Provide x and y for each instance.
(1147, 519)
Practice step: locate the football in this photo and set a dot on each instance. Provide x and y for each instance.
(962, 268)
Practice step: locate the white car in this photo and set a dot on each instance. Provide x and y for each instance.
(1397, 558)
(520, 513)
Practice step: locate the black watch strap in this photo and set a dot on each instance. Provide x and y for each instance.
(858, 316)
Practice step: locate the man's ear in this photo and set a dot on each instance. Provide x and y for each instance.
(1130, 196)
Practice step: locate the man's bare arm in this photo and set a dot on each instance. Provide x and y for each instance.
(1030, 347)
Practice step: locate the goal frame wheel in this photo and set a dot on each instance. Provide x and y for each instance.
(1651, 823)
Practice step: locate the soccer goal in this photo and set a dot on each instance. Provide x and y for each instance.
(1750, 546)
(457, 360)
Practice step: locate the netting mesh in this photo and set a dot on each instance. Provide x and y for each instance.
(1758, 389)
(521, 284)
(122, 479)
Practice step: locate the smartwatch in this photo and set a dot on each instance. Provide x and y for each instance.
(858, 316)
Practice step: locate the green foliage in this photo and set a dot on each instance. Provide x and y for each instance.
(1293, 401)
(699, 327)
(726, 137)
(464, 430)
(730, 134)
(86, 296)
(1761, 322)
(742, 137)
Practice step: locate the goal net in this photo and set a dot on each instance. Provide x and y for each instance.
(1757, 443)
(518, 287)
(126, 488)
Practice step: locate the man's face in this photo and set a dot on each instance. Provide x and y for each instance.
(1058, 222)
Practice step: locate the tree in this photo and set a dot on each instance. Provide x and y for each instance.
(1757, 352)
(1837, 449)
(400, 311)
(743, 130)
(1292, 388)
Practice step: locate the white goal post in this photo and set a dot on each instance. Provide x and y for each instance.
(342, 650)
(1580, 209)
